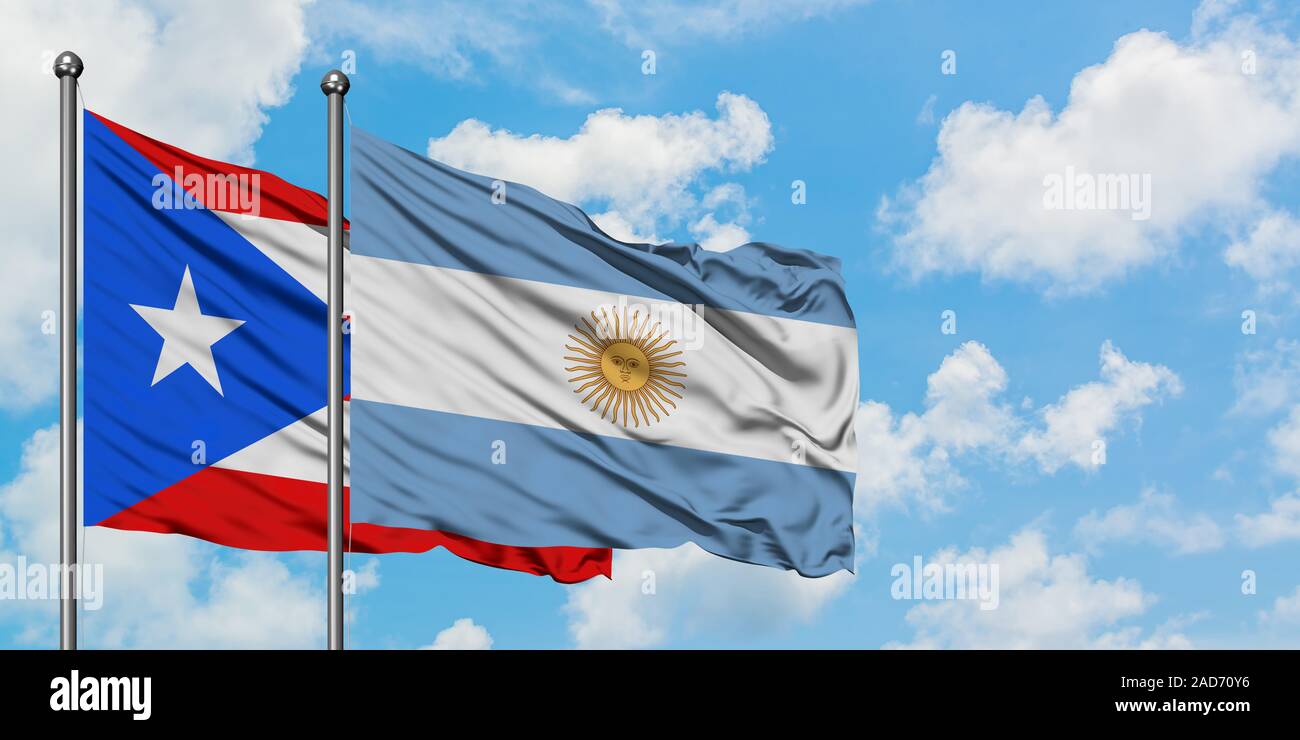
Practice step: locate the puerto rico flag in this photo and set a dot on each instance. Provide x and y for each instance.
(205, 374)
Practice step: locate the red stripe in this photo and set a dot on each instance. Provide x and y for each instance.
(276, 198)
(265, 512)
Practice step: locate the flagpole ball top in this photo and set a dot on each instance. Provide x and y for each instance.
(69, 64)
(333, 82)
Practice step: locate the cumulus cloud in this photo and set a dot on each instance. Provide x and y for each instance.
(1284, 440)
(729, 201)
(1267, 381)
(1045, 601)
(1279, 524)
(1155, 519)
(1204, 123)
(165, 86)
(463, 634)
(685, 592)
(910, 458)
(1285, 610)
(1090, 412)
(640, 169)
(1269, 250)
(159, 590)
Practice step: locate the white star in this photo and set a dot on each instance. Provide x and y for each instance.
(188, 334)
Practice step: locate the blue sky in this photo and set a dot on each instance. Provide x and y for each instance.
(925, 185)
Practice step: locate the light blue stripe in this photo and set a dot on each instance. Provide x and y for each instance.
(408, 207)
(431, 470)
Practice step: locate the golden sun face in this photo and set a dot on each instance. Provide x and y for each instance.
(625, 367)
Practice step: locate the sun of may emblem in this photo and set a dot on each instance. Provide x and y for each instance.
(624, 366)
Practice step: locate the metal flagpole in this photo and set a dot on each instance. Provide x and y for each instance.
(335, 85)
(68, 67)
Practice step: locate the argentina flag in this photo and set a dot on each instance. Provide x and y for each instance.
(520, 376)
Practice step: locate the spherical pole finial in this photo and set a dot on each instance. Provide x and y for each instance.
(335, 81)
(68, 64)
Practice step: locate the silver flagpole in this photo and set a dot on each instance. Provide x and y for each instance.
(335, 85)
(67, 67)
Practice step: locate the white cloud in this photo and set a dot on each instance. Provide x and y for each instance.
(1207, 133)
(718, 237)
(614, 224)
(960, 411)
(663, 595)
(1090, 412)
(925, 117)
(165, 86)
(365, 578)
(1045, 601)
(253, 601)
(910, 458)
(1285, 611)
(1269, 251)
(1279, 524)
(1267, 381)
(1166, 636)
(728, 198)
(159, 590)
(1155, 519)
(566, 92)
(672, 21)
(463, 634)
(1284, 439)
(640, 168)
(446, 37)
(898, 463)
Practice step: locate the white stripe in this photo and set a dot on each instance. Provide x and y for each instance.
(486, 346)
(296, 451)
(299, 249)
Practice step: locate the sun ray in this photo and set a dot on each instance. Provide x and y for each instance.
(584, 344)
(659, 392)
(610, 323)
(660, 385)
(646, 329)
(654, 401)
(660, 358)
(588, 342)
(594, 334)
(638, 329)
(593, 329)
(586, 385)
(603, 390)
(608, 401)
(657, 350)
(645, 407)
